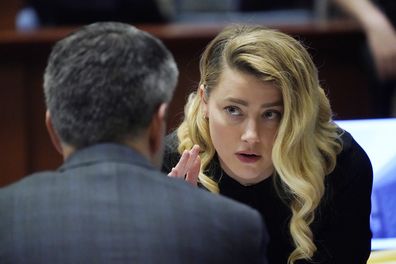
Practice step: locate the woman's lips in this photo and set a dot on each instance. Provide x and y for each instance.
(248, 158)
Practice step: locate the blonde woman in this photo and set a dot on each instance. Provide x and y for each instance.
(263, 128)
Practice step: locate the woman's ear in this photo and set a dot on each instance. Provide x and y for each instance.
(52, 133)
(204, 100)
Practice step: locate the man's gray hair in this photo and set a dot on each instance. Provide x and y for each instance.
(104, 82)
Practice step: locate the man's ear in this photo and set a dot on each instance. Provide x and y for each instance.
(204, 100)
(157, 129)
(52, 133)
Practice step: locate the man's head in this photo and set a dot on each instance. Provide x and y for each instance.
(108, 82)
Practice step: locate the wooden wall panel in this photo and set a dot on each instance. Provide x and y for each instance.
(8, 11)
(13, 128)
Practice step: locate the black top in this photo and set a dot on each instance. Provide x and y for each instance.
(342, 221)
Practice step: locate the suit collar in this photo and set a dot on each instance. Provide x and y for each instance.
(105, 152)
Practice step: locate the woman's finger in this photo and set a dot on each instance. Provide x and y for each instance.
(193, 172)
(181, 168)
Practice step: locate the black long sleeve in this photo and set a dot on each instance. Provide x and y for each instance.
(342, 221)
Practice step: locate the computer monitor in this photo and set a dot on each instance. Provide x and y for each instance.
(378, 138)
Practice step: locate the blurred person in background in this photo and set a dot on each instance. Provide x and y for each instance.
(378, 20)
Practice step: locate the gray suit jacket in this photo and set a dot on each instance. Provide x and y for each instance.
(107, 204)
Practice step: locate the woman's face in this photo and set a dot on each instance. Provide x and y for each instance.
(244, 114)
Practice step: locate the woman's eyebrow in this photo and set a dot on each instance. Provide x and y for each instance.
(245, 103)
(237, 101)
(271, 104)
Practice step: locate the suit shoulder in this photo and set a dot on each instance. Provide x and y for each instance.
(29, 180)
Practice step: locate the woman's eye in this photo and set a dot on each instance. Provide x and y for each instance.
(233, 110)
(271, 114)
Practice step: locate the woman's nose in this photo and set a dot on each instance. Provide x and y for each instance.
(251, 133)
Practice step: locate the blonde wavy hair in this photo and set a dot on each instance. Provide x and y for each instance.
(306, 132)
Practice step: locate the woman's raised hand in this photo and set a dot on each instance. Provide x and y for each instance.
(188, 166)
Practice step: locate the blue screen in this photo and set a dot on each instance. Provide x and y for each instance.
(378, 138)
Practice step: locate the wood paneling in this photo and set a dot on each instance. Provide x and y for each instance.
(8, 11)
